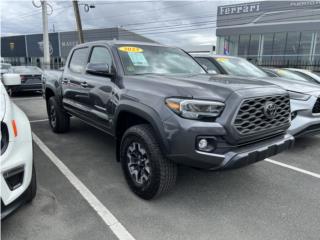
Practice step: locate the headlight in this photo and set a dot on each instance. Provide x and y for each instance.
(195, 109)
(299, 96)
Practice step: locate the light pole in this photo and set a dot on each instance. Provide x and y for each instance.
(45, 41)
(46, 54)
(78, 17)
(78, 20)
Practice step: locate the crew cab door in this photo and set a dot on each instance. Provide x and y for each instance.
(74, 84)
(102, 88)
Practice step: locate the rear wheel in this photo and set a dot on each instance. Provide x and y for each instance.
(59, 121)
(147, 171)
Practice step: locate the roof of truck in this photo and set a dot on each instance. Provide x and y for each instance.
(120, 42)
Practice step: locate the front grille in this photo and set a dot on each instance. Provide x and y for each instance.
(316, 108)
(251, 117)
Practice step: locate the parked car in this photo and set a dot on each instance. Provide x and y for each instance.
(313, 77)
(18, 177)
(5, 67)
(305, 96)
(286, 73)
(30, 79)
(163, 109)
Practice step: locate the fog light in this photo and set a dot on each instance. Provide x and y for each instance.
(206, 144)
(203, 144)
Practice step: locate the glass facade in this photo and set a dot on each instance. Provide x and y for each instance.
(316, 58)
(279, 48)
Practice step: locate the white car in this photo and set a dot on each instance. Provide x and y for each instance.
(18, 177)
(306, 74)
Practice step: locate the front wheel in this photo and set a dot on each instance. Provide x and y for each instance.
(147, 172)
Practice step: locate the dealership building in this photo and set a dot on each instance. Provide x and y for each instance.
(271, 33)
(28, 49)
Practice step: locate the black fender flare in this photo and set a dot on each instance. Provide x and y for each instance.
(146, 113)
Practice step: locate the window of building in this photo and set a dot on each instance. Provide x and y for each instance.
(305, 47)
(233, 45)
(279, 45)
(317, 48)
(292, 48)
(226, 45)
(78, 60)
(220, 45)
(267, 48)
(243, 49)
(254, 44)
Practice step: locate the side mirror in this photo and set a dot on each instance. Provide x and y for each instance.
(11, 79)
(101, 69)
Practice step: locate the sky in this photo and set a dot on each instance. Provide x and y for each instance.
(185, 23)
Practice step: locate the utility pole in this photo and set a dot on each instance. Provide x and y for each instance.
(78, 19)
(46, 54)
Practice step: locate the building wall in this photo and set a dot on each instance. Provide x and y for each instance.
(277, 32)
(28, 49)
(13, 46)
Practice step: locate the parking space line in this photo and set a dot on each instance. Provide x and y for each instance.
(39, 120)
(110, 220)
(316, 175)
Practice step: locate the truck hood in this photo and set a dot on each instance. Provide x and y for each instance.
(203, 86)
(292, 85)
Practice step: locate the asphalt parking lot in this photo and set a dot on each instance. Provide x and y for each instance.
(261, 201)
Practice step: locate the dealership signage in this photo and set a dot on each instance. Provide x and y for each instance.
(304, 3)
(238, 9)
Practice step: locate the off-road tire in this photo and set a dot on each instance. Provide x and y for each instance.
(163, 171)
(60, 122)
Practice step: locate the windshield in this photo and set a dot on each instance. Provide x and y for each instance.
(308, 75)
(240, 67)
(289, 75)
(144, 59)
(24, 69)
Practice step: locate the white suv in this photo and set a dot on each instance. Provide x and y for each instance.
(18, 177)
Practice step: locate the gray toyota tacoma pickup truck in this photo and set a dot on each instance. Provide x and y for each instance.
(164, 109)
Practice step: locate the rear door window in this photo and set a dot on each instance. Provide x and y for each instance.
(78, 60)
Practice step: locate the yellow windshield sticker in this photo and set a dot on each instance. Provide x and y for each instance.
(221, 59)
(130, 49)
(280, 71)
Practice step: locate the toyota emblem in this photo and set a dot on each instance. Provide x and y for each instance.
(270, 110)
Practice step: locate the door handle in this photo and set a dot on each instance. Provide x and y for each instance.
(84, 84)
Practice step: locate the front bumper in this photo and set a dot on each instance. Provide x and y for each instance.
(305, 122)
(6, 210)
(236, 156)
(18, 155)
